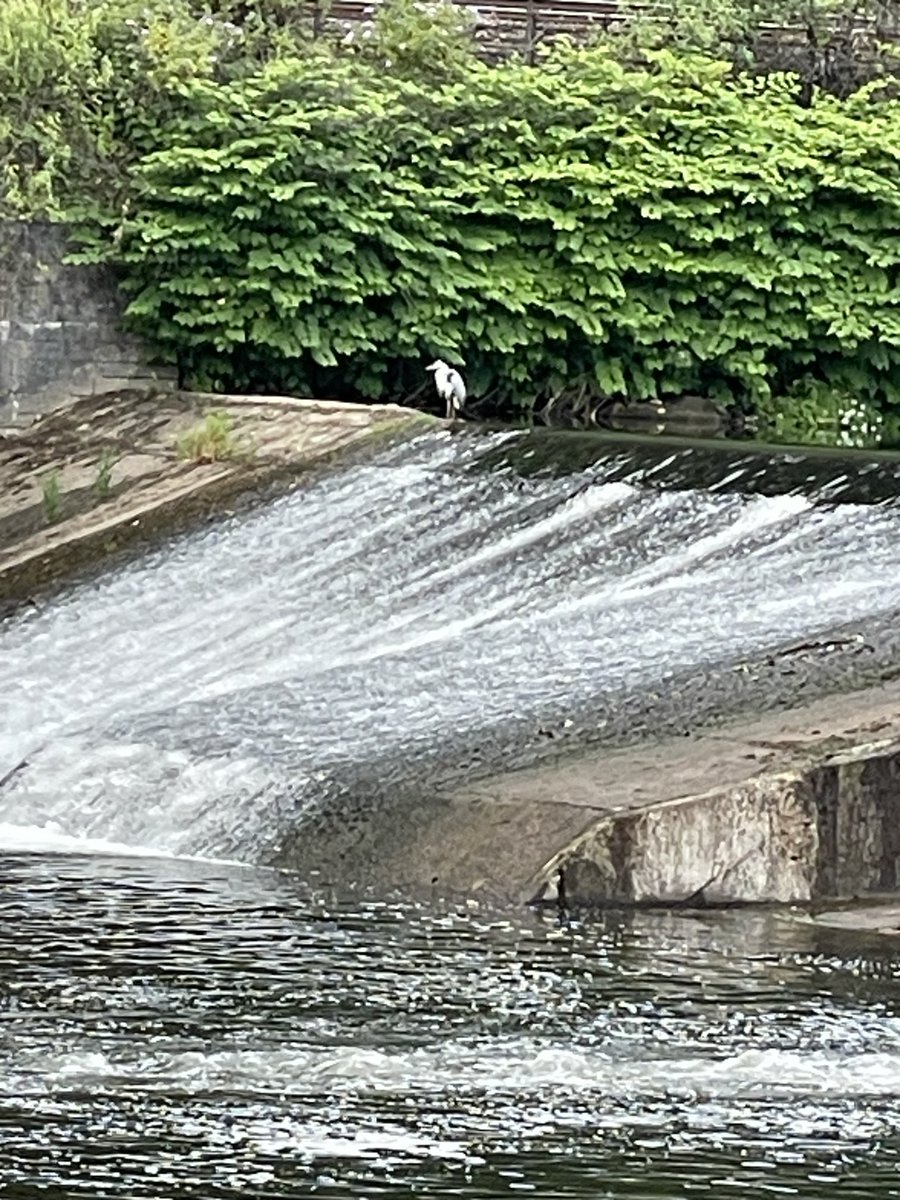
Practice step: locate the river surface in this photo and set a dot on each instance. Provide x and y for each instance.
(181, 1029)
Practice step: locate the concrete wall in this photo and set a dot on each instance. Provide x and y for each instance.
(60, 328)
(830, 831)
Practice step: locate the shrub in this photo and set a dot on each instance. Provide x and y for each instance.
(86, 87)
(616, 222)
(412, 39)
(643, 231)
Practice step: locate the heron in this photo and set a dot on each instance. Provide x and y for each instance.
(450, 386)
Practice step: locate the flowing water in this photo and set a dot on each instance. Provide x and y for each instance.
(435, 604)
(176, 1024)
(174, 1029)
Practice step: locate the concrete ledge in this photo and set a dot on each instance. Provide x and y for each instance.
(153, 491)
(829, 830)
(786, 806)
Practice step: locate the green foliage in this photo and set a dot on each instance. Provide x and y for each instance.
(51, 497)
(730, 29)
(817, 413)
(37, 81)
(102, 485)
(325, 226)
(414, 39)
(211, 440)
(86, 86)
(834, 45)
(716, 27)
(619, 221)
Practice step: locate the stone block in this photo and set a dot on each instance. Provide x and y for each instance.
(828, 831)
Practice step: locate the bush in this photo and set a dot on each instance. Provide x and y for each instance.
(414, 39)
(646, 231)
(616, 222)
(89, 85)
(837, 45)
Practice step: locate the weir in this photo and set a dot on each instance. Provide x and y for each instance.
(301, 685)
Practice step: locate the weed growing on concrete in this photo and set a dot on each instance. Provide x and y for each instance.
(51, 497)
(102, 484)
(210, 440)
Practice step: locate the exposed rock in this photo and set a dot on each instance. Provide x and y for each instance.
(829, 829)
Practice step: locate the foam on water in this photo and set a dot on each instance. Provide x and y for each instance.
(50, 839)
(176, 1029)
(518, 1066)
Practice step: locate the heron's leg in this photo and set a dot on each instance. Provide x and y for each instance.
(449, 408)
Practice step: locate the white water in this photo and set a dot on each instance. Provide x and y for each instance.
(189, 703)
(179, 1029)
(516, 1067)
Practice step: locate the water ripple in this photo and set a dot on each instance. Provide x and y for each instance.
(172, 1029)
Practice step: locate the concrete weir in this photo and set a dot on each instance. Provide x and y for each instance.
(153, 489)
(452, 666)
(788, 807)
(827, 830)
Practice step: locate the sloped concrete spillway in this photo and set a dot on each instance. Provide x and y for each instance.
(303, 684)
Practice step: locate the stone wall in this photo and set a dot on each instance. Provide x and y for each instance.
(60, 328)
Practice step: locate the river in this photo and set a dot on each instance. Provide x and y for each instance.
(183, 1029)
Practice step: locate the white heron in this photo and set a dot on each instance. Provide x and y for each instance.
(450, 386)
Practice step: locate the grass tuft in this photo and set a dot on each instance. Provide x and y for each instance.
(51, 497)
(102, 485)
(210, 440)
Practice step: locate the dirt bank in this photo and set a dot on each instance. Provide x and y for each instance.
(119, 471)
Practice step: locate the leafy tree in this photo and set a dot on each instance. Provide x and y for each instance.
(291, 213)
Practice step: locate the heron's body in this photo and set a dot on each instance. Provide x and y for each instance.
(449, 385)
